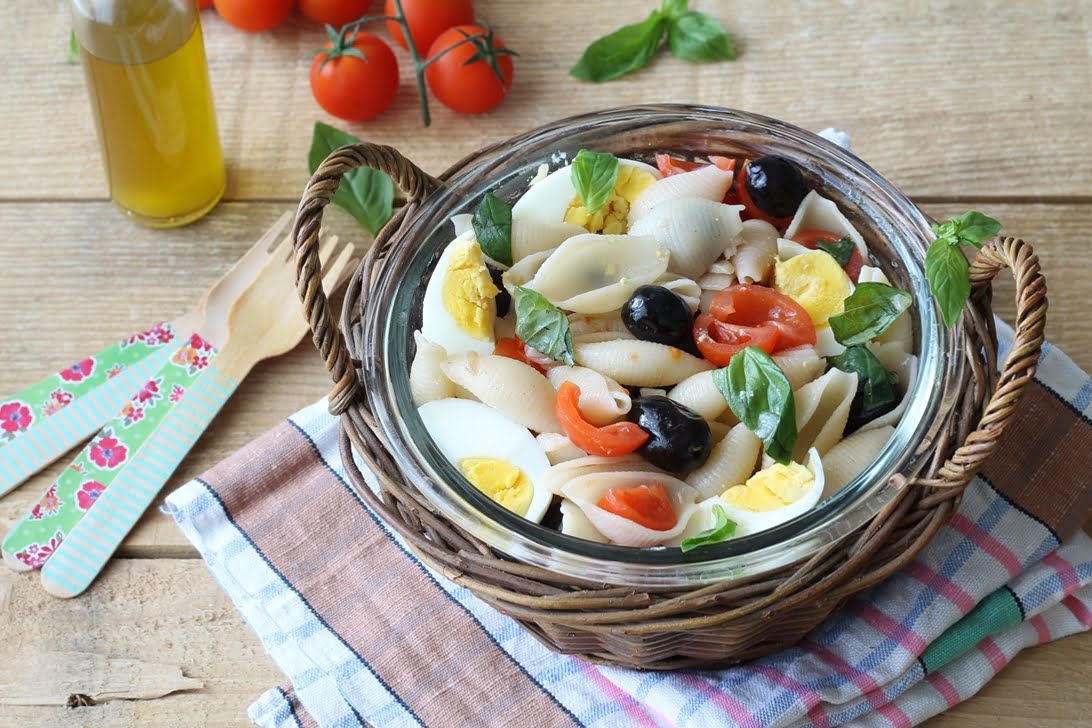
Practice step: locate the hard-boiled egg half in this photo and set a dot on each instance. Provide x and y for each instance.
(499, 458)
(554, 199)
(774, 495)
(459, 307)
(815, 281)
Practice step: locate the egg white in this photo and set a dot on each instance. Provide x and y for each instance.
(437, 324)
(465, 429)
(547, 200)
(749, 522)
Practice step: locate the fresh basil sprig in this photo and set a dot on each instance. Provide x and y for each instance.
(876, 386)
(493, 228)
(946, 268)
(594, 175)
(691, 36)
(760, 395)
(366, 194)
(723, 528)
(868, 312)
(542, 325)
(840, 250)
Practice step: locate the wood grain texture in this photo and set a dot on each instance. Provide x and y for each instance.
(984, 104)
(979, 98)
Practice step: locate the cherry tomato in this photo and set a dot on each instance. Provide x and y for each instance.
(463, 86)
(621, 438)
(744, 315)
(647, 505)
(334, 12)
(513, 348)
(350, 88)
(427, 19)
(204, 4)
(254, 15)
(810, 239)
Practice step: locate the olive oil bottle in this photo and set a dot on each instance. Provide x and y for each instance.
(147, 77)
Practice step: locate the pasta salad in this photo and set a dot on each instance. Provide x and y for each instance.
(668, 355)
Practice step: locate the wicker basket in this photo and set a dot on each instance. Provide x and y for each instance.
(712, 625)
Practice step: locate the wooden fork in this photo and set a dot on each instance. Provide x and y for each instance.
(265, 321)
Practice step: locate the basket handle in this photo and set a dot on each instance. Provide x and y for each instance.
(305, 234)
(1020, 364)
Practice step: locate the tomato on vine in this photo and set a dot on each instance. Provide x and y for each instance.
(427, 19)
(253, 15)
(333, 12)
(469, 69)
(356, 76)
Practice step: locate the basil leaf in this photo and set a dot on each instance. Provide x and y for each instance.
(760, 395)
(594, 175)
(869, 310)
(493, 227)
(366, 194)
(840, 250)
(695, 36)
(542, 325)
(947, 270)
(721, 530)
(673, 9)
(971, 228)
(876, 386)
(626, 49)
(73, 49)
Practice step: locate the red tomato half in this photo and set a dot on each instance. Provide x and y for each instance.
(744, 315)
(621, 438)
(647, 505)
(427, 19)
(334, 12)
(810, 239)
(461, 85)
(352, 89)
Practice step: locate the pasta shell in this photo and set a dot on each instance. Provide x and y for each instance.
(521, 273)
(848, 458)
(587, 328)
(585, 492)
(825, 343)
(559, 448)
(597, 273)
(800, 365)
(818, 213)
(563, 472)
(462, 223)
(703, 519)
(602, 400)
(695, 231)
(513, 388)
(639, 363)
(707, 183)
(575, 523)
(427, 380)
(731, 462)
(698, 393)
(790, 249)
(822, 409)
(532, 236)
(755, 251)
(685, 288)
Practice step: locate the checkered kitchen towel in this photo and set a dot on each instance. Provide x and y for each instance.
(367, 634)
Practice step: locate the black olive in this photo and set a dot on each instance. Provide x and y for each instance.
(679, 438)
(504, 298)
(552, 517)
(775, 185)
(653, 313)
(859, 416)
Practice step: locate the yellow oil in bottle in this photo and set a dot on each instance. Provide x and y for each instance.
(148, 81)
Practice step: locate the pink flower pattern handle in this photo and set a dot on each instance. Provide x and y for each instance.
(44, 527)
(45, 420)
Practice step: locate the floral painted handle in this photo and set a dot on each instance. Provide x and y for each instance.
(105, 458)
(77, 561)
(47, 419)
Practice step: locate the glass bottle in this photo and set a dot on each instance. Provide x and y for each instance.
(147, 77)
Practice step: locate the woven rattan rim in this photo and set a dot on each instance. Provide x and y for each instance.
(668, 628)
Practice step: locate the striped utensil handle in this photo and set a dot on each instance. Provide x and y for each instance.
(45, 420)
(79, 558)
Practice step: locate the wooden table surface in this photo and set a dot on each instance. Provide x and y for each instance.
(977, 104)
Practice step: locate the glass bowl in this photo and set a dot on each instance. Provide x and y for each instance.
(897, 233)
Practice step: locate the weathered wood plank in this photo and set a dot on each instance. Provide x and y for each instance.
(947, 98)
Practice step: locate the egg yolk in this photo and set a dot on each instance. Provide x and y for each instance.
(771, 488)
(502, 481)
(468, 291)
(613, 217)
(816, 282)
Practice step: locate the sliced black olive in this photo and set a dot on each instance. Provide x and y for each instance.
(679, 438)
(504, 298)
(653, 313)
(775, 185)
